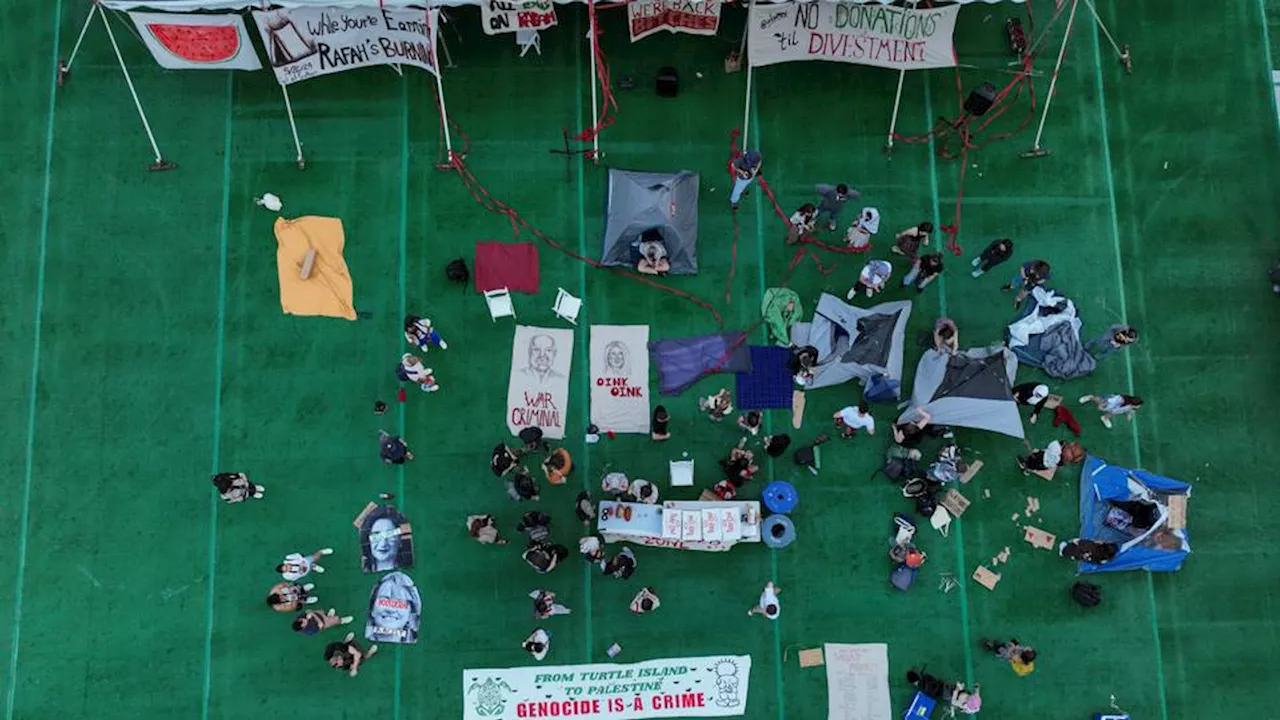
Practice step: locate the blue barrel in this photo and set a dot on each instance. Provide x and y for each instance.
(777, 531)
(780, 497)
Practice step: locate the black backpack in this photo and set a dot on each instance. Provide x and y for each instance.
(456, 271)
(1087, 594)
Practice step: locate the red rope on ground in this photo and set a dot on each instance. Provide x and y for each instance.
(607, 100)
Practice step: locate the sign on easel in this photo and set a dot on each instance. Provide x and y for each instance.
(878, 35)
(501, 16)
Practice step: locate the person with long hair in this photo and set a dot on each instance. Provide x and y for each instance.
(236, 487)
(348, 655)
(1114, 405)
(419, 333)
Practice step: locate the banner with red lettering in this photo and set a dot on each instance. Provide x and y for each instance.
(695, 17)
(507, 16)
(620, 378)
(880, 35)
(538, 392)
(713, 686)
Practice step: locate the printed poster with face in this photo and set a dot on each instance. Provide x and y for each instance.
(538, 391)
(620, 378)
(395, 611)
(386, 539)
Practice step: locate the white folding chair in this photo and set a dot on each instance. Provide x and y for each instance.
(528, 39)
(567, 306)
(500, 304)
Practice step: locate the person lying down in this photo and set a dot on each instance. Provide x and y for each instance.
(653, 255)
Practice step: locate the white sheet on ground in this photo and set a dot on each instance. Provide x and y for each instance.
(858, 682)
(620, 378)
(1021, 331)
(538, 392)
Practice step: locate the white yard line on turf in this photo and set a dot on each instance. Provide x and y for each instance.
(1128, 361)
(404, 302)
(584, 469)
(29, 462)
(219, 357)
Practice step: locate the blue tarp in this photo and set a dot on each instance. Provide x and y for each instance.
(1159, 550)
(768, 385)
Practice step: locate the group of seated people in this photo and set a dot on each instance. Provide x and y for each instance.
(739, 468)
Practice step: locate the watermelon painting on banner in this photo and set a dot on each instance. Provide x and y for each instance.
(303, 43)
(197, 42)
(877, 35)
(500, 16)
(646, 17)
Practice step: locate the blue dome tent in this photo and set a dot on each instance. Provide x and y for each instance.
(1160, 548)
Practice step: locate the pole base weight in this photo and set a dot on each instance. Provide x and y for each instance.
(63, 71)
(1034, 153)
(302, 163)
(161, 165)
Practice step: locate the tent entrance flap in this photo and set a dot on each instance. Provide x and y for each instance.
(874, 341)
(644, 205)
(983, 378)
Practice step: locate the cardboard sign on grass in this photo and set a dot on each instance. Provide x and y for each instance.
(538, 391)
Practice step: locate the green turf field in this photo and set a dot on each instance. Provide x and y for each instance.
(145, 349)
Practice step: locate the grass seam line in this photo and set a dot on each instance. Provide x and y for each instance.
(773, 554)
(961, 574)
(1272, 85)
(29, 463)
(219, 359)
(584, 467)
(1128, 360)
(403, 262)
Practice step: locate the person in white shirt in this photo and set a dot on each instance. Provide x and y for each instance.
(768, 605)
(851, 419)
(545, 605)
(415, 372)
(801, 223)
(862, 229)
(1112, 405)
(645, 601)
(297, 565)
(538, 644)
(875, 274)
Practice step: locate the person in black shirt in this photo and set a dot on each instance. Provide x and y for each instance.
(997, 252)
(622, 565)
(1034, 395)
(661, 424)
(347, 655)
(776, 445)
(522, 487)
(503, 460)
(392, 449)
(924, 271)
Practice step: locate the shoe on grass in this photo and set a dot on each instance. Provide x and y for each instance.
(326, 551)
(309, 587)
(976, 273)
(317, 568)
(1084, 399)
(1106, 421)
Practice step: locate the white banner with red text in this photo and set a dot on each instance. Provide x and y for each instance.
(303, 43)
(620, 378)
(538, 392)
(713, 686)
(878, 35)
(695, 17)
(197, 42)
(497, 16)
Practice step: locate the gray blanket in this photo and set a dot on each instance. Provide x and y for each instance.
(1064, 354)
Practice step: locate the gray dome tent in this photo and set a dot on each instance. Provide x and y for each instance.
(640, 201)
(971, 389)
(854, 342)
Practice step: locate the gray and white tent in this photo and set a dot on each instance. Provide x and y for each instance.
(640, 201)
(971, 389)
(854, 342)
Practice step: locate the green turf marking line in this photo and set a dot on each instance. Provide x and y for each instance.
(29, 463)
(1128, 361)
(584, 469)
(404, 301)
(219, 357)
(1271, 71)
(768, 416)
(961, 574)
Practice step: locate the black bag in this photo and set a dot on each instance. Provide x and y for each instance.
(456, 271)
(1087, 594)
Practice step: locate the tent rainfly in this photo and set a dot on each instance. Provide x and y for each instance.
(854, 342)
(1107, 495)
(970, 389)
(641, 201)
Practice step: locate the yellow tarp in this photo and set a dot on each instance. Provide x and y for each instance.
(329, 290)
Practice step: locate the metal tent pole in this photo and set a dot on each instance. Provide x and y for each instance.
(1036, 151)
(595, 80)
(64, 68)
(293, 126)
(897, 103)
(432, 16)
(746, 104)
(160, 163)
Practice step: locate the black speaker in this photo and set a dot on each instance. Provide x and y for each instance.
(668, 82)
(980, 100)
